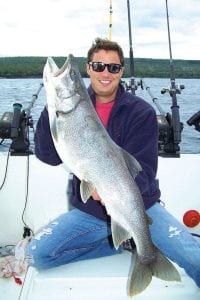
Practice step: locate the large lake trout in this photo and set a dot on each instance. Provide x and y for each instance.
(85, 147)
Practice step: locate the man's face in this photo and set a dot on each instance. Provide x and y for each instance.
(105, 84)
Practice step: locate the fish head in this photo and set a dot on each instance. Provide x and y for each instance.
(62, 85)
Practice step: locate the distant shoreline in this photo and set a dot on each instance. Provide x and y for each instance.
(32, 67)
(21, 77)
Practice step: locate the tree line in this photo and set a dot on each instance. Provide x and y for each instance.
(32, 67)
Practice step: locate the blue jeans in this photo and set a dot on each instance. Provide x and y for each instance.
(76, 235)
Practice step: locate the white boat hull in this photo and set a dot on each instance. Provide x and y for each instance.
(103, 278)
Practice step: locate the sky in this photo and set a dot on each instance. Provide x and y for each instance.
(59, 27)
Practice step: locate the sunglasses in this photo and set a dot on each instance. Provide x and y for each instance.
(100, 67)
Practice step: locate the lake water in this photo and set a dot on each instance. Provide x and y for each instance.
(21, 90)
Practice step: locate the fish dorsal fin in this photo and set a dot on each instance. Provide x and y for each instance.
(86, 190)
(132, 164)
(119, 234)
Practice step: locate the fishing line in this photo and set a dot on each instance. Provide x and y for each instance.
(6, 170)
(27, 230)
(19, 133)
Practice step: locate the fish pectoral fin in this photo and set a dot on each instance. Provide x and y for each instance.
(132, 164)
(119, 234)
(139, 277)
(86, 190)
(54, 131)
(149, 220)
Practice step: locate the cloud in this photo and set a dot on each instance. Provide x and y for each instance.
(58, 27)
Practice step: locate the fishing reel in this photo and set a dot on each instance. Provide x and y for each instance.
(166, 144)
(195, 120)
(169, 127)
(14, 126)
(179, 88)
(129, 85)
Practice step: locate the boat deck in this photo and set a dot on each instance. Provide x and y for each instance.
(103, 278)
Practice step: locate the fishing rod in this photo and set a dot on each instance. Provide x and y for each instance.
(169, 125)
(110, 21)
(176, 124)
(14, 125)
(154, 99)
(34, 97)
(132, 86)
(164, 121)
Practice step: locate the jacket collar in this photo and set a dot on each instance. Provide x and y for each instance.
(119, 100)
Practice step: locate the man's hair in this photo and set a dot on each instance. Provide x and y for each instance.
(105, 44)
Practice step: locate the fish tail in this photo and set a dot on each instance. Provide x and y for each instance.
(140, 274)
(163, 268)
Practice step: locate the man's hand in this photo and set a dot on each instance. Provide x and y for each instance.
(96, 197)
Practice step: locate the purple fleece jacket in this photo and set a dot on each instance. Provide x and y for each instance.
(133, 126)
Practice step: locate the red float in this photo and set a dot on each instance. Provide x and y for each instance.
(191, 218)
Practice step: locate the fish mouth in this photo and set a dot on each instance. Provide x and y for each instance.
(63, 84)
(66, 66)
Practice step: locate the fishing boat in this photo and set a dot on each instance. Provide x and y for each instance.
(32, 193)
(102, 278)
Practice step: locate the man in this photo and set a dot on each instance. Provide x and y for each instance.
(84, 232)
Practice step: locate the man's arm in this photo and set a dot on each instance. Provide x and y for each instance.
(141, 140)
